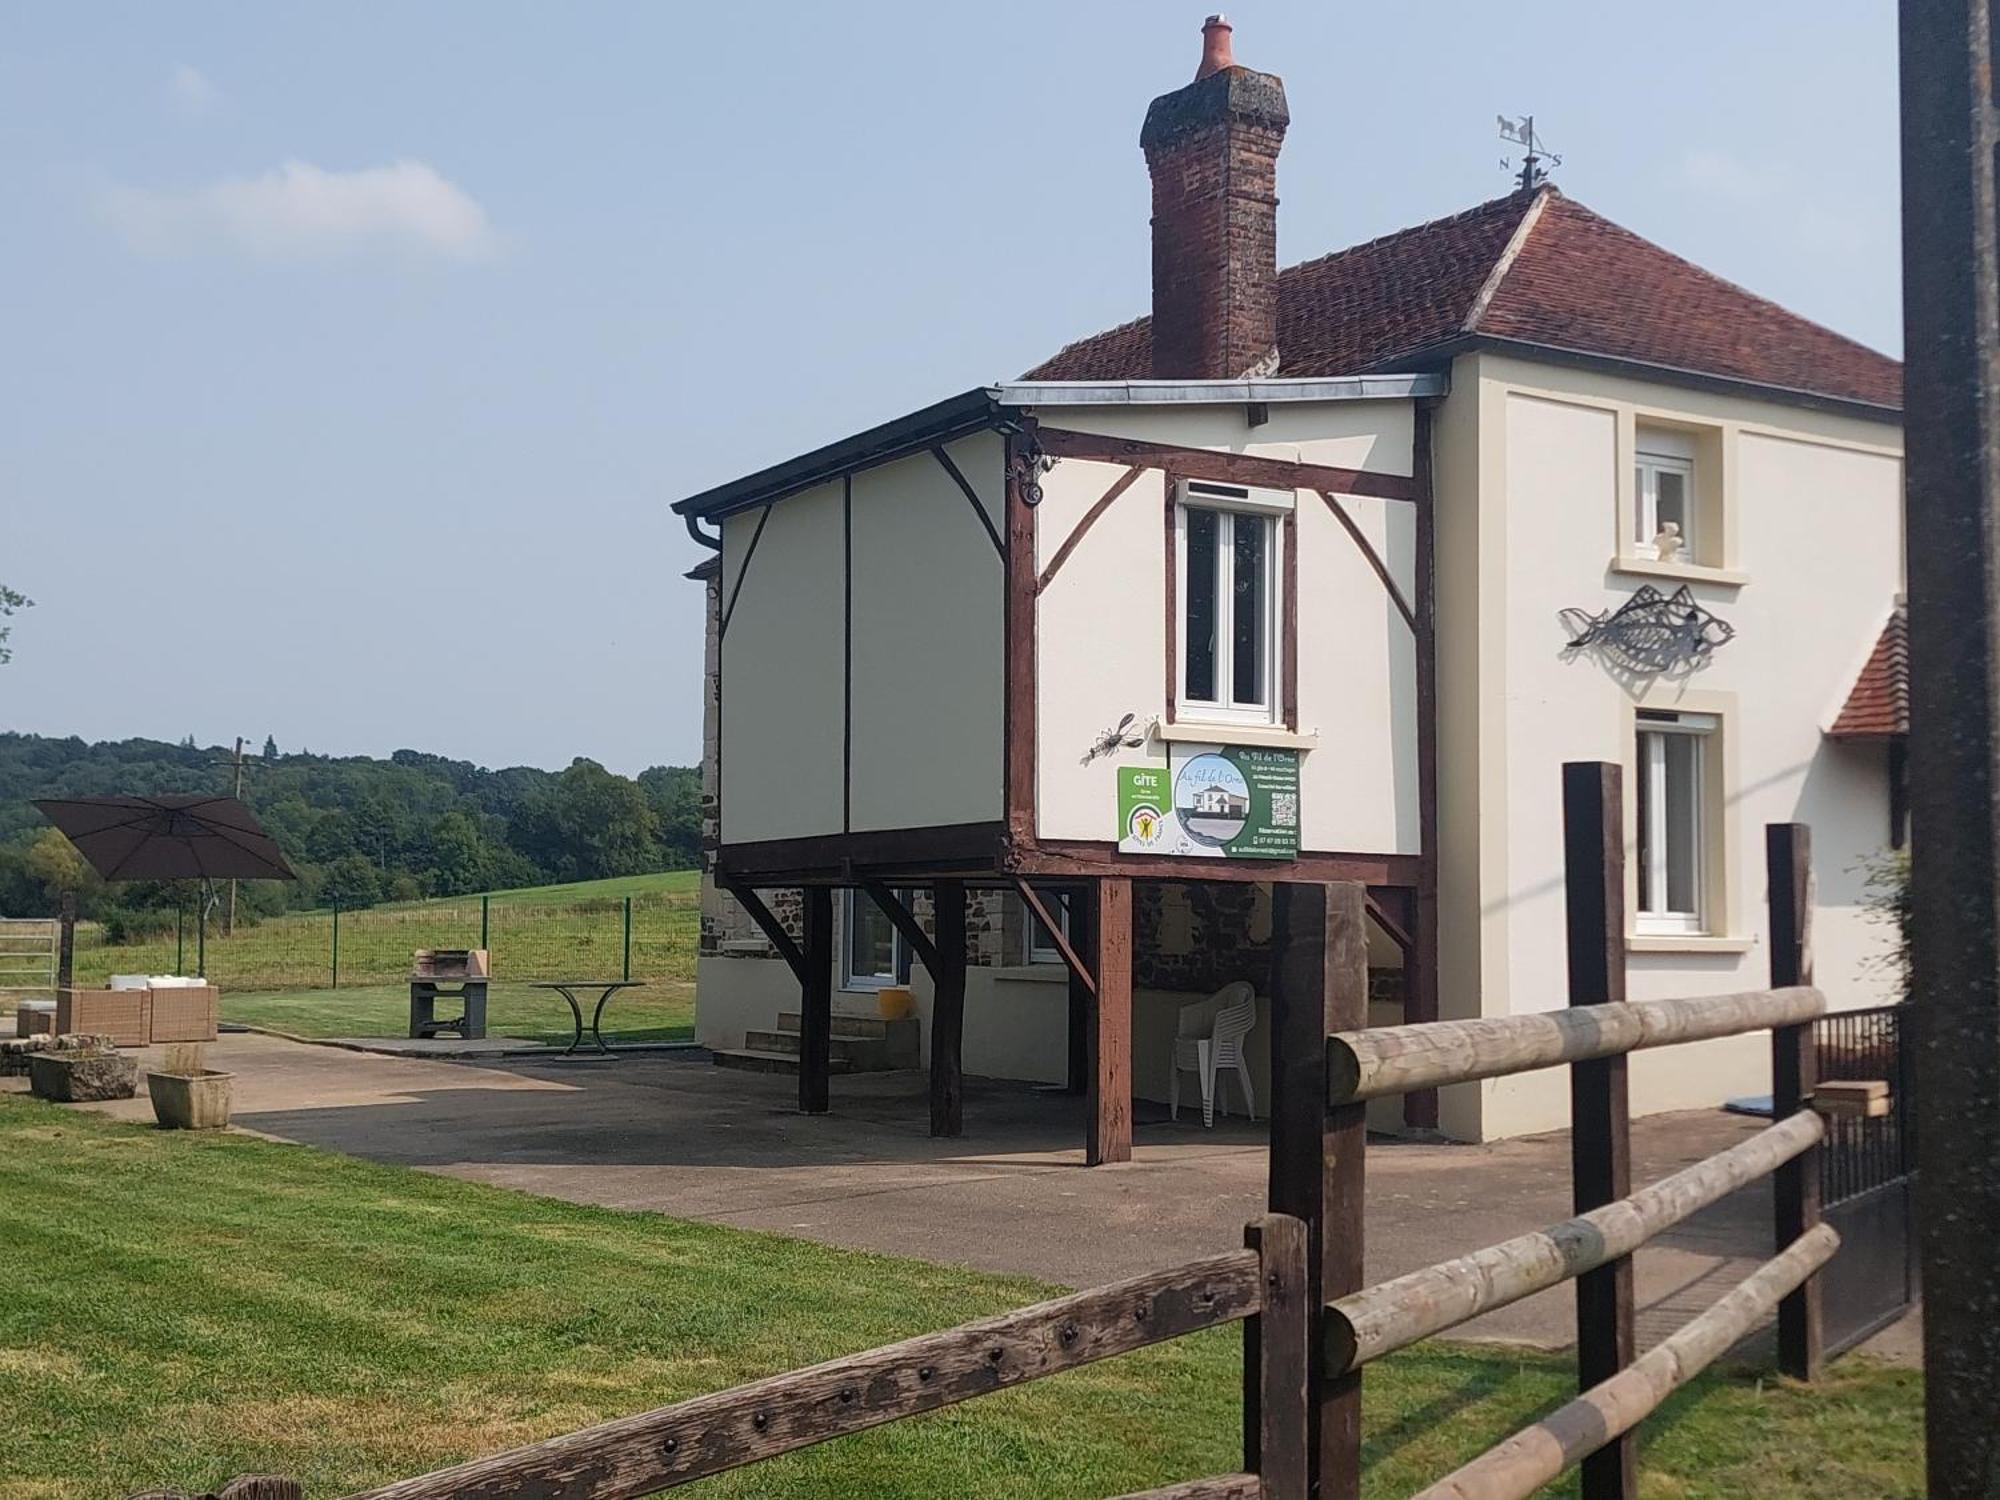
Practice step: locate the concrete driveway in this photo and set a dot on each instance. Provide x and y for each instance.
(671, 1133)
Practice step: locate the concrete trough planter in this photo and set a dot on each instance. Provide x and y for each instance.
(190, 1101)
(82, 1077)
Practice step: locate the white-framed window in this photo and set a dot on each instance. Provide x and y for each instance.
(1039, 947)
(1664, 491)
(872, 952)
(1674, 763)
(1227, 542)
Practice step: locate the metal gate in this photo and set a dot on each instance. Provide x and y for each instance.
(27, 956)
(1868, 1180)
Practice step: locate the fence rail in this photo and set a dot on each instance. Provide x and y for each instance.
(673, 1445)
(1310, 1325)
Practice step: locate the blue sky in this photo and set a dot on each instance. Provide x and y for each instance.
(352, 353)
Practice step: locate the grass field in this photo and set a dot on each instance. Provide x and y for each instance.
(544, 932)
(181, 1308)
(661, 1011)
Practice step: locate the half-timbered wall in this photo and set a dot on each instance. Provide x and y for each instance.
(861, 656)
(1103, 623)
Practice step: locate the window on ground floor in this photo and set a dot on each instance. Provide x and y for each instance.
(1041, 947)
(1674, 765)
(873, 953)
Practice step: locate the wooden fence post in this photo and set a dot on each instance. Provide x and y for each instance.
(816, 1001)
(1317, 1167)
(1599, 1105)
(1277, 1351)
(66, 941)
(1794, 1074)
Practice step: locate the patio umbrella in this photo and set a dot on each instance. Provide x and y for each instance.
(168, 838)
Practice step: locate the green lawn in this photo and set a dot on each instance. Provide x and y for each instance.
(544, 932)
(181, 1308)
(661, 1011)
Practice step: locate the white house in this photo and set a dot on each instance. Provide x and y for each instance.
(1312, 575)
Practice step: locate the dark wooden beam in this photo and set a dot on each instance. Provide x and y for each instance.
(843, 858)
(1018, 647)
(947, 970)
(1226, 468)
(816, 1003)
(1392, 925)
(906, 924)
(1374, 558)
(1795, 1188)
(735, 593)
(1108, 1107)
(972, 499)
(1081, 969)
(768, 924)
(1119, 486)
(1077, 860)
(1599, 1103)
(1420, 976)
(1320, 986)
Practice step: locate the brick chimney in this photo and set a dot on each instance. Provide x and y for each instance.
(1212, 150)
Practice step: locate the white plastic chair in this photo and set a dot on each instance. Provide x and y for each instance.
(1208, 1039)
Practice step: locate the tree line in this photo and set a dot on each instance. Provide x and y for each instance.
(358, 830)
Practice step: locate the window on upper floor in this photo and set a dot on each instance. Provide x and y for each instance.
(1675, 764)
(1228, 539)
(1667, 525)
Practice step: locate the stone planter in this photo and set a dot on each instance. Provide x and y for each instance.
(82, 1077)
(190, 1101)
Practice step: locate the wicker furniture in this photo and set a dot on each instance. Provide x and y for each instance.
(140, 1017)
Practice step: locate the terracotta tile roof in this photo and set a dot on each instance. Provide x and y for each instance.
(1878, 707)
(1541, 269)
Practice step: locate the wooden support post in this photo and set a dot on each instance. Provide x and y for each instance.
(1599, 1106)
(948, 1009)
(1277, 1355)
(816, 1001)
(1320, 987)
(66, 942)
(1794, 1071)
(1108, 1103)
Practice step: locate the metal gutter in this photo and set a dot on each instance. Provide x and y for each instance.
(1388, 387)
(955, 416)
(985, 408)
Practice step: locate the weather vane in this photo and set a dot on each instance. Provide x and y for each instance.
(1536, 158)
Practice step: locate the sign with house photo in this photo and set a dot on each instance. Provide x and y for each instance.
(1213, 802)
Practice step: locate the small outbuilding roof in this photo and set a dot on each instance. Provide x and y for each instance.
(1878, 707)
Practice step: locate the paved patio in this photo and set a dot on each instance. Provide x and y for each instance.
(671, 1133)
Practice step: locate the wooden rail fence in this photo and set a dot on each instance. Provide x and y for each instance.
(1310, 1326)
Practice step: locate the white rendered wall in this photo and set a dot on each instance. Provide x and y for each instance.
(1817, 541)
(783, 691)
(929, 696)
(922, 731)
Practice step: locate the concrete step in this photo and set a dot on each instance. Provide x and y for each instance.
(871, 1027)
(756, 1060)
(862, 1054)
(872, 1042)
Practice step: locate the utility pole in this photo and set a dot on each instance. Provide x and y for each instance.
(1951, 385)
(236, 791)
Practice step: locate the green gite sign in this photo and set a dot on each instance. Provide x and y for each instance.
(1212, 802)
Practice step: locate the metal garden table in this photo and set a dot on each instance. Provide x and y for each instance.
(567, 987)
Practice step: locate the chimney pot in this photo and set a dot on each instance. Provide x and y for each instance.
(1215, 50)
